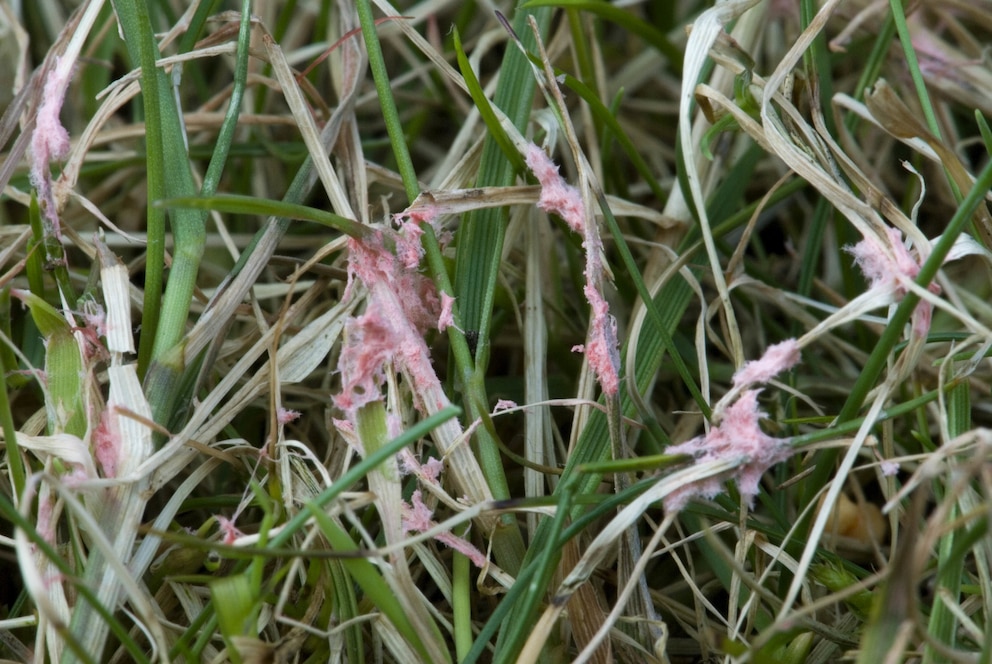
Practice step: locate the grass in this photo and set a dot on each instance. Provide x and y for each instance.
(289, 327)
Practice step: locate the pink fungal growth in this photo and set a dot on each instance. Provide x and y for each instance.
(46, 520)
(229, 530)
(106, 443)
(777, 358)
(419, 214)
(559, 197)
(885, 266)
(739, 439)
(889, 269)
(50, 140)
(367, 349)
(889, 468)
(429, 472)
(602, 347)
(503, 404)
(418, 518)
(96, 318)
(402, 305)
(447, 317)
(409, 249)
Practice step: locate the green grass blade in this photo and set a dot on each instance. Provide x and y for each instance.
(225, 137)
(942, 626)
(169, 175)
(496, 130)
(346, 608)
(656, 38)
(368, 578)
(480, 238)
(237, 204)
(63, 368)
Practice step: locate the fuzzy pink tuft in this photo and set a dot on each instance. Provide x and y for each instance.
(403, 304)
(417, 518)
(50, 140)
(423, 214)
(95, 317)
(504, 404)
(560, 198)
(106, 446)
(738, 438)
(891, 270)
(884, 268)
(369, 345)
(463, 547)
(285, 415)
(557, 196)
(777, 358)
(431, 470)
(407, 463)
(889, 468)
(77, 477)
(374, 265)
(229, 530)
(601, 348)
(409, 249)
(447, 317)
(45, 521)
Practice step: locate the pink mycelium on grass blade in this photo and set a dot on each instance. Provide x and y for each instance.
(285, 415)
(50, 140)
(418, 517)
(447, 318)
(602, 346)
(47, 519)
(559, 197)
(777, 358)
(229, 530)
(106, 446)
(402, 305)
(737, 438)
(889, 269)
(428, 472)
(503, 404)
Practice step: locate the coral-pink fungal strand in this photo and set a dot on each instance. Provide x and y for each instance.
(777, 358)
(418, 518)
(559, 197)
(738, 438)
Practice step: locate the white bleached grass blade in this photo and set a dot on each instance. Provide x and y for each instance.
(122, 507)
(116, 287)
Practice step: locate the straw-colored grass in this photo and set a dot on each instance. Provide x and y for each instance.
(450, 332)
